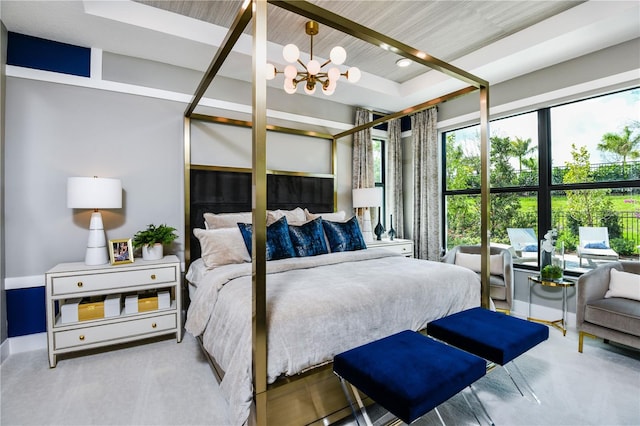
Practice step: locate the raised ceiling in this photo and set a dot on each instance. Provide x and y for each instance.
(495, 40)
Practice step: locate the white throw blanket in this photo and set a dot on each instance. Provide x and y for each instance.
(318, 307)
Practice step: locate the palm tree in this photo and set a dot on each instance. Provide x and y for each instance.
(624, 144)
(520, 148)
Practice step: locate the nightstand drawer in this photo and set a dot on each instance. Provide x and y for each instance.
(405, 249)
(112, 280)
(120, 330)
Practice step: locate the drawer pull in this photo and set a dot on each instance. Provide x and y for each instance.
(154, 325)
(81, 337)
(80, 284)
(153, 276)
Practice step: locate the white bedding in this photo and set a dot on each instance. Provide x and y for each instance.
(320, 306)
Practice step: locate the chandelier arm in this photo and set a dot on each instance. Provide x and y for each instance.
(302, 63)
(328, 61)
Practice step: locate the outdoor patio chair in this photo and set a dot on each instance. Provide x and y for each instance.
(594, 244)
(524, 241)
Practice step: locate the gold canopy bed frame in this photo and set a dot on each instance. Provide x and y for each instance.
(314, 396)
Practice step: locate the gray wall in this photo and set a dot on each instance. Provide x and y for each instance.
(55, 131)
(585, 69)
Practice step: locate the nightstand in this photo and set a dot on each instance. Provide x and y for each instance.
(67, 282)
(404, 247)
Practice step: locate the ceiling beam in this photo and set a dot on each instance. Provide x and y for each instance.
(234, 33)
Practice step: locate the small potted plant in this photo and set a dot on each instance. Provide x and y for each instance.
(551, 272)
(153, 239)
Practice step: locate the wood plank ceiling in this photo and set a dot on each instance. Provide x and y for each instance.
(447, 30)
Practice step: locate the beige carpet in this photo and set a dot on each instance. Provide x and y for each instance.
(164, 383)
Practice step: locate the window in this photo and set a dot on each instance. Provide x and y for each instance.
(585, 172)
(379, 173)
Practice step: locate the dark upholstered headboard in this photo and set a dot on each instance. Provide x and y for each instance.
(222, 191)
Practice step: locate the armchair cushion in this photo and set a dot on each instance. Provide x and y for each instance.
(472, 261)
(623, 284)
(616, 313)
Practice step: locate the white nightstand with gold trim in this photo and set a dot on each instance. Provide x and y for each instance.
(77, 280)
(397, 245)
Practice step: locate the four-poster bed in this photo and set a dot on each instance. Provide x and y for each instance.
(314, 394)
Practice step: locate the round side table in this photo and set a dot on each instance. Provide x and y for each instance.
(560, 324)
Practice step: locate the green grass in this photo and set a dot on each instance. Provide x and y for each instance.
(560, 203)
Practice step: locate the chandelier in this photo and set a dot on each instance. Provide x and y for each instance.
(312, 73)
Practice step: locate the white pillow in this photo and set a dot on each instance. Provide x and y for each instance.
(226, 220)
(472, 261)
(623, 284)
(222, 246)
(294, 217)
(332, 216)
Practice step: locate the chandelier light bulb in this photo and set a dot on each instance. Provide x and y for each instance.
(291, 53)
(333, 74)
(310, 91)
(290, 72)
(313, 67)
(353, 75)
(331, 87)
(270, 72)
(289, 86)
(338, 55)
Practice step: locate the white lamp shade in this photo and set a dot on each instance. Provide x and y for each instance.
(94, 193)
(367, 197)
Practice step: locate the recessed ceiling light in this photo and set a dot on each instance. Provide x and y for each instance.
(403, 62)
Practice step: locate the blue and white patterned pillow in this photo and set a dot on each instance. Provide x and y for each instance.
(308, 239)
(279, 244)
(344, 236)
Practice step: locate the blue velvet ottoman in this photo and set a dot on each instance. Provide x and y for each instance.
(493, 336)
(407, 373)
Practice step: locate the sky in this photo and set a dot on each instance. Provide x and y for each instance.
(582, 123)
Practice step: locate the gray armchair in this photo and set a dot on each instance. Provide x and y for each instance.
(615, 318)
(501, 284)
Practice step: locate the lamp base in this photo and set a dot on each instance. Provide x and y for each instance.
(367, 235)
(96, 253)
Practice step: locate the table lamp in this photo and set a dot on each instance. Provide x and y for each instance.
(365, 198)
(95, 193)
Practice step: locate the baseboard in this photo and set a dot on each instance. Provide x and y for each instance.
(5, 350)
(30, 342)
(520, 309)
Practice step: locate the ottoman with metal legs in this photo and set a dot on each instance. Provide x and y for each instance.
(408, 374)
(494, 336)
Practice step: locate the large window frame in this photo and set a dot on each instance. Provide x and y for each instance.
(545, 187)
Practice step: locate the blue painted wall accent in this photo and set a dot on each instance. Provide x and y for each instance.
(405, 123)
(26, 311)
(33, 52)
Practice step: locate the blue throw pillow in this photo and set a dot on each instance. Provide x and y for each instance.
(530, 248)
(308, 239)
(344, 236)
(278, 241)
(596, 245)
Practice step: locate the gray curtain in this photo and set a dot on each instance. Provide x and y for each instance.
(426, 199)
(393, 187)
(362, 175)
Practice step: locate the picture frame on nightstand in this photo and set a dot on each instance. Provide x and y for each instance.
(120, 251)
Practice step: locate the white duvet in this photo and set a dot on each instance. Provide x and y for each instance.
(318, 307)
